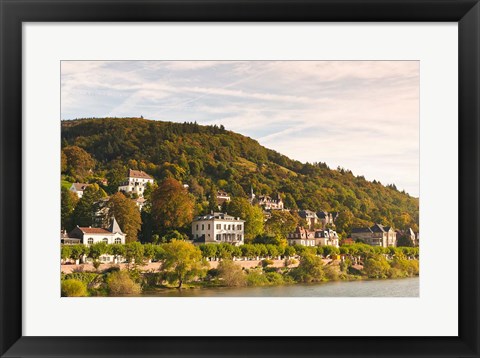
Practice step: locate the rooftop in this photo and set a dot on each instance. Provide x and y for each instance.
(138, 174)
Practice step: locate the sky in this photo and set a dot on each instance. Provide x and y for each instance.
(359, 115)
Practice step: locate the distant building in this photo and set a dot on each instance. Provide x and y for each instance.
(310, 217)
(91, 235)
(406, 238)
(269, 203)
(305, 237)
(222, 197)
(218, 228)
(326, 238)
(377, 235)
(325, 218)
(78, 188)
(136, 182)
(301, 236)
(65, 239)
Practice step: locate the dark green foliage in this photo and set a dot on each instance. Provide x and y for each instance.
(209, 154)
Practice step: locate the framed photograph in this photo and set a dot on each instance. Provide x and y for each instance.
(239, 178)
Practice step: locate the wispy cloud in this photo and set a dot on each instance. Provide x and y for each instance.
(361, 115)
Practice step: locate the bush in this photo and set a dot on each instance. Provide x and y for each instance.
(230, 274)
(255, 278)
(266, 263)
(119, 284)
(274, 278)
(310, 269)
(73, 288)
(376, 267)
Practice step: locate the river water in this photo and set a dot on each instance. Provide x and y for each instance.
(406, 287)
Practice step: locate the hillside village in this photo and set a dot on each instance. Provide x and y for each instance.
(312, 229)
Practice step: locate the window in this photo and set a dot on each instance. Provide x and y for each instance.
(197, 226)
(203, 227)
(208, 226)
(239, 227)
(118, 240)
(219, 237)
(90, 240)
(219, 226)
(105, 240)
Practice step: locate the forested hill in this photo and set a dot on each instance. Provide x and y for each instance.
(209, 158)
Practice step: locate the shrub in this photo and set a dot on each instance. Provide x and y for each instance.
(274, 278)
(119, 284)
(266, 263)
(90, 279)
(376, 267)
(230, 274)
(310, 269)
(255, 278)
(73, 288)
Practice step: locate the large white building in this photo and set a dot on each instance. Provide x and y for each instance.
(136, 182)
(92, 235)
(218, 228)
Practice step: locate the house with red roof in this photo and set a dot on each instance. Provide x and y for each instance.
(91, 235)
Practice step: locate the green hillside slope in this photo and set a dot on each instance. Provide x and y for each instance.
(210, 158)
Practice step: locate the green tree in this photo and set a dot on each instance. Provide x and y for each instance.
(253, 216)
(117, 250)
(281, 223)
(376, 267)
(126, 213)
(209, 251)
(182, 262)
(68, 202)
(172, 206)
(77, 251)
(85, 208)
(96, 250)
(134, 253)
(310, 269)
(65, 252)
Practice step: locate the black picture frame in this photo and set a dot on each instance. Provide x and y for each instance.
(15, 12)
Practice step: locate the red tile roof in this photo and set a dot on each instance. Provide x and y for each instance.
(94, 230)
(138, 174)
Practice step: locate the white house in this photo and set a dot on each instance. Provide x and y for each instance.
(92, 235)
(136, 182)
(218, 228)
(78, 188)
(327, 238)
(305, 237)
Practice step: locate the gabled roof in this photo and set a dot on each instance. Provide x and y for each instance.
(361, 229)
(138, 174)
(80, 186)
(379, 228)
